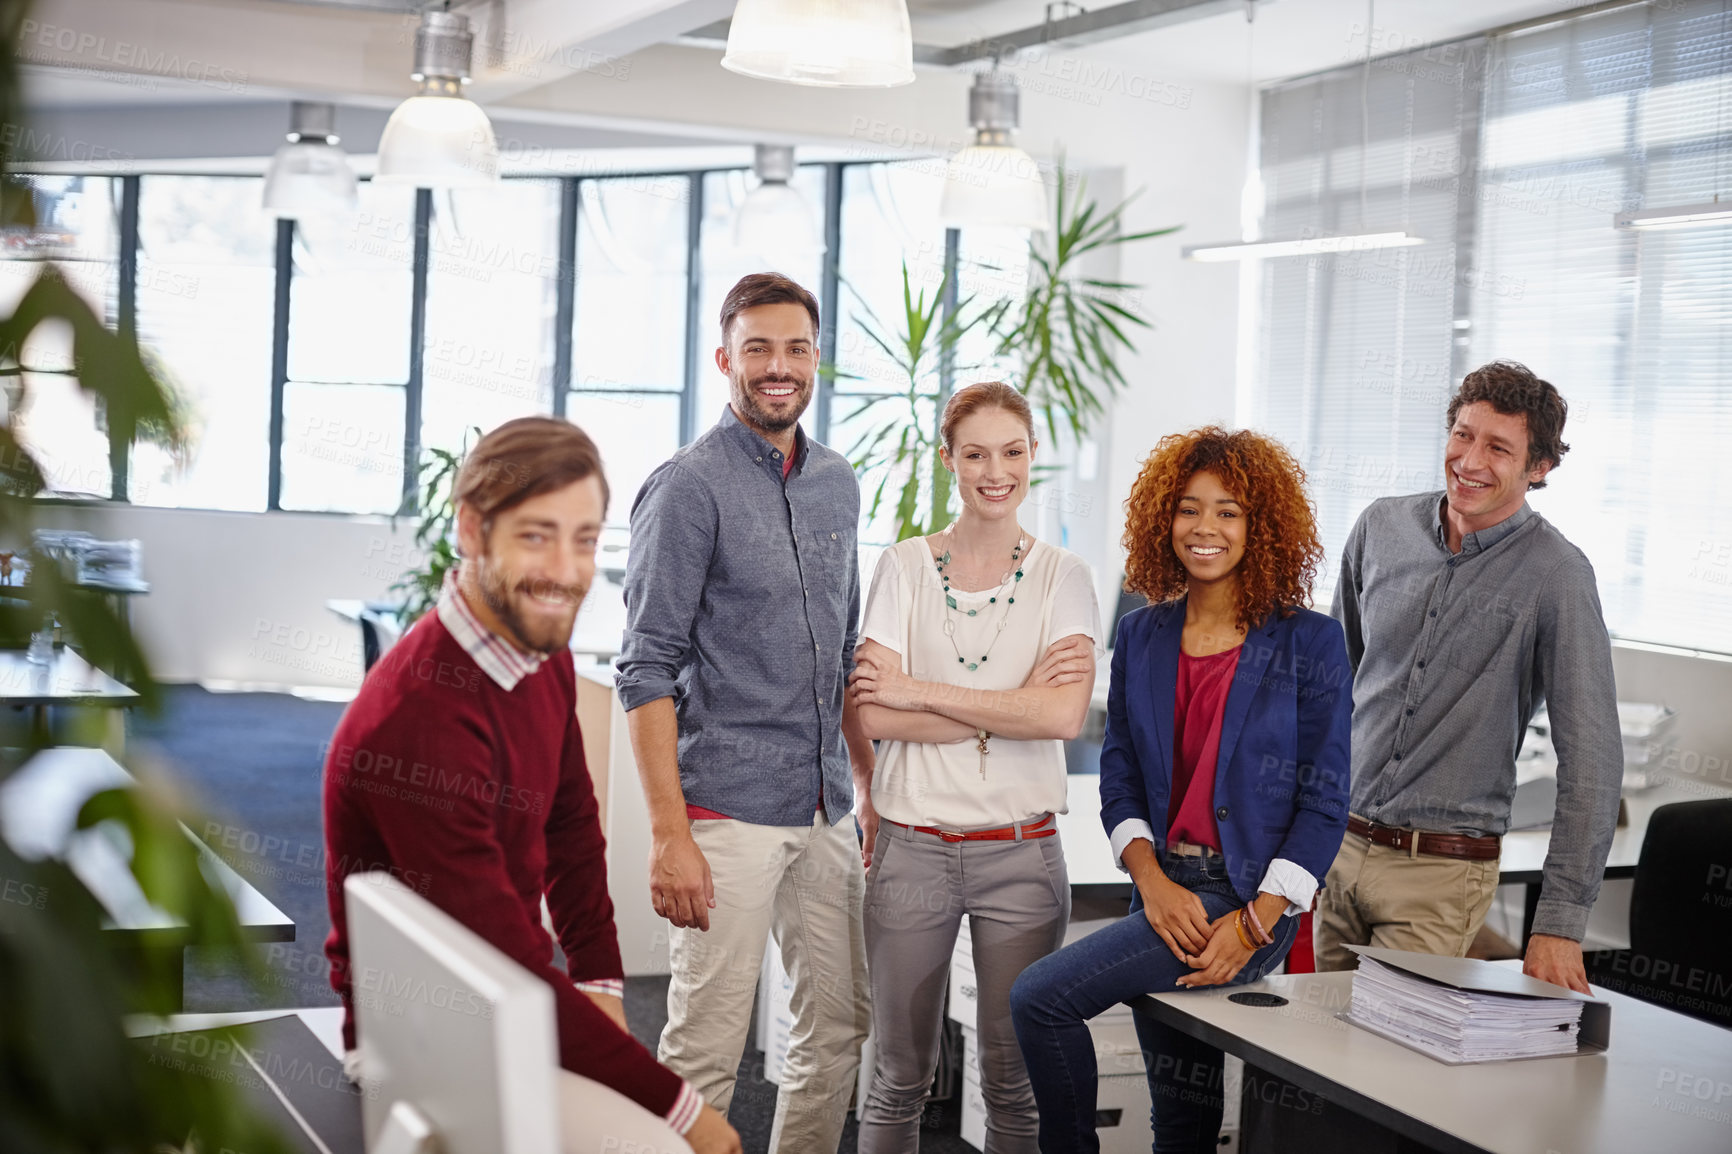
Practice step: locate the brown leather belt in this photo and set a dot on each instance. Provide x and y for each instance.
(1033, 829)
(1454, 845)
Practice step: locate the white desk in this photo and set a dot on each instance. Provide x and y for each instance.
(39, 806)
(326, 1023)
(1643, 1094)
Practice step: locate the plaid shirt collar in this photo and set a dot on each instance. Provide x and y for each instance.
(500, 659)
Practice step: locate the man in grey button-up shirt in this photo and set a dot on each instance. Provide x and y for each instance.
(1464, 611)
(742, 599)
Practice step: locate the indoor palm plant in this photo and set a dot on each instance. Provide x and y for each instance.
(1060, 340)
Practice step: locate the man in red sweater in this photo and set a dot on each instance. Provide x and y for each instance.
(459, 767)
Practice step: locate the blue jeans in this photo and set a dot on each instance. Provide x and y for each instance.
(1052, 1001)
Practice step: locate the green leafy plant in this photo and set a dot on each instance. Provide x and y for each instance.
(435, 531)
(1061, 340)
(70, 1078)
(902, 443)
(1068, 332)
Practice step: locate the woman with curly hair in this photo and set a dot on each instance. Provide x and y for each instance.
(1223, 776)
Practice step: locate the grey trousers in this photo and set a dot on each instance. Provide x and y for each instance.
(1017, 897)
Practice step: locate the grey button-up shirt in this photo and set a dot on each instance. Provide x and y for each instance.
(1452, 654)
(742, 595)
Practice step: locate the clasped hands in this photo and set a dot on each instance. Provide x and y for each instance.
(878, 678)
(1213, 949)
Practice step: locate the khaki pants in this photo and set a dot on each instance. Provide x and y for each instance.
(806, 885)
(1400, 900)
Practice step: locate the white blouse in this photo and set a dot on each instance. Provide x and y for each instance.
(923, 783)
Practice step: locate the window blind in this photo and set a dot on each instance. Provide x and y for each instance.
(1622, 110)
(1354, 355)
(1511, 155)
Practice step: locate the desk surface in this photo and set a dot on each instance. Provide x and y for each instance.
(39, 806)
(326, 1023)
(1524, 850)
(67, 678)
(1642, 1094)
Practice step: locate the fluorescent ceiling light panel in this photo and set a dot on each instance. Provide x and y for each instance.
(1685, 216)
(1304, 246)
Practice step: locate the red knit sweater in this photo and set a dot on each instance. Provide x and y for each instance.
(479, 799)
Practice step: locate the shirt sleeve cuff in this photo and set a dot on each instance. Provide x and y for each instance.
(1125, 833)
(1291, 882)
(684, 1114)
(1561, 919)
(612, 987)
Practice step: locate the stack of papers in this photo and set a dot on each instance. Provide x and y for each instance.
(1457, 1025)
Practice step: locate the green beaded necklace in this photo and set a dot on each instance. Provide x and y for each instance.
(950, 604)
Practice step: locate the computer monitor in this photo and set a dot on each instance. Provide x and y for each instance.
(458, 1042)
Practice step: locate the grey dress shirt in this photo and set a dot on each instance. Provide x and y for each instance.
(742, 596)
(1452, 655)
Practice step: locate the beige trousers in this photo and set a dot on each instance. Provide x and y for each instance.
(806, 886)
(1378, 896)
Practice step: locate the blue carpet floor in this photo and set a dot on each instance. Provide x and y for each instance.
(252, 762)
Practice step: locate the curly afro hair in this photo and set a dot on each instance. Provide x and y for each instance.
(1282, 550)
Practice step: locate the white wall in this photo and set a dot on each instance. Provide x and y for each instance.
(241, 596)
(1699, 689)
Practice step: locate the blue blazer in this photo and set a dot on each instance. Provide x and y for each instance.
(1281, 780)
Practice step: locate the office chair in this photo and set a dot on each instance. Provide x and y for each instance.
(1680, 915)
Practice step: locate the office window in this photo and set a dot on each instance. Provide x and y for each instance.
(348, 358)
(489, 354)
(887, 209)
(629, 324)
(1575, 122)
(206, 257)
(1622, 110)
(722, 263)
(1354, 369)
(78, 227)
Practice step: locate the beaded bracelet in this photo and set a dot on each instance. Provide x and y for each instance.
(1257, 930)
(1244, 937)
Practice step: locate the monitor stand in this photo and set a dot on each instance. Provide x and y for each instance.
(406, 1131)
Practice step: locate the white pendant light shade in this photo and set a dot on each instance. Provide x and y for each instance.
(828, 43)
(775, 223)
(993, 186)
(440, 138)
(992, 183)
(309, 177)
(438, 142)
(775, 220)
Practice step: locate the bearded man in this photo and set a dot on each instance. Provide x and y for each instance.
(459, 768)
(742, 601)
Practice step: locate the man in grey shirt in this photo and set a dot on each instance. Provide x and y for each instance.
(1464, 611)
(742, 604)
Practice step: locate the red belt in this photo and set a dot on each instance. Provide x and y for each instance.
(1034, 829)
(1456, 845)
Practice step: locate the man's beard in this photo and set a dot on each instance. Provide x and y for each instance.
(505, 597)
(746, 397)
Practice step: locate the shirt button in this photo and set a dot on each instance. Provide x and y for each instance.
(1410, 713)
(832, 536)
(1434, 613)
(1221, 814)
(1398, 757)
(1422, 665)
(760, 460)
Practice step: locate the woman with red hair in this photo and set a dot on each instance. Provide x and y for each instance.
(1223, 776)
(976, 661)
